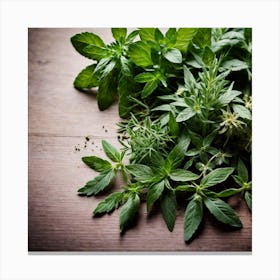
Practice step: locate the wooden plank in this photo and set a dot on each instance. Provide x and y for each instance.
(59, 119)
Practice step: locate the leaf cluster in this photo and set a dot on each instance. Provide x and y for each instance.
(185, 101)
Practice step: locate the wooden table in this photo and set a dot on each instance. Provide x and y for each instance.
(59, 119)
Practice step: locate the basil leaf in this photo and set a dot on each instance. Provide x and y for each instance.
(192, 217)
(202, 37)
(181, 175)
(173, 55)
(242, 171)
(111, 152)
(140, 53)
(208, 56)
(147, 34)
(248, 199)
(98, 184)
(80, 41)
(144, 77)
(142, 173)
(186, 188)
(216, 176)
(96, 52)
(129, 211)
(119, 34)
(228, 192)
(222, 212)
(149, 88)
(184, 37)
(86, 78)
(110, 203)
(97, 163)
(107, 91)
(168, 208)
(154, 193)
(171, 36)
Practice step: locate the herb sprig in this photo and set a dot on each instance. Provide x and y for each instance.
(186, 107)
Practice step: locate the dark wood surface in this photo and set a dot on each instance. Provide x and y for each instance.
(59, 119)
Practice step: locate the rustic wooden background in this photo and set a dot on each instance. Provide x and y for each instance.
(59, 119)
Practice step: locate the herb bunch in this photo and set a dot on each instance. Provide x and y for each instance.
(186, 107)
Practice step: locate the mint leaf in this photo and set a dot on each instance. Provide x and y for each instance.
(98, 184)
(97, 163)
(168, 207)
(140, 53)
(86, 78)
(82, 40)
(129, 211)
(110, 203)
(174, 56)
(182, 175)
(142, 173)
(222, 212)
(111, 152)
(216, 176)
(119, 34)
(192, 218)
(228, 192)
(154, 193)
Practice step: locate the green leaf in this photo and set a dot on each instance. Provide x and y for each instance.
(188, 76)
(159, 36)
(173, 125)
(96, 52)
(248, 199)
(98, 184)
(111, 152)
(144, 77)
(86, 78)
(242, 111)
(141, 172)
(129, 211)
(185, 115)
(242, 171)
(140, 53)
(186, 188)
(184, 37)
(238, 180)
(228, 192)
(234, 65)
(222, 212)
(107, 91)
(208, 56)
(192, 217)
(147, 34)
(171, 36)
(80, 41)
(108, 69)
(174, 56)
(119, 34)
(216, 176)
(168, 206)
(177, 154)
(125, 66)
(202, 37)
(154, 193)
(149, 88)
(164, 107)
(181, 175)
(132, 36)
(97, 163)
(228, 96)
(110, 203)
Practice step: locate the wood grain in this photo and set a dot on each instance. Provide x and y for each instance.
(59, 119)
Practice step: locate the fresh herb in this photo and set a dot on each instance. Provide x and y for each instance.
(185, 101)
